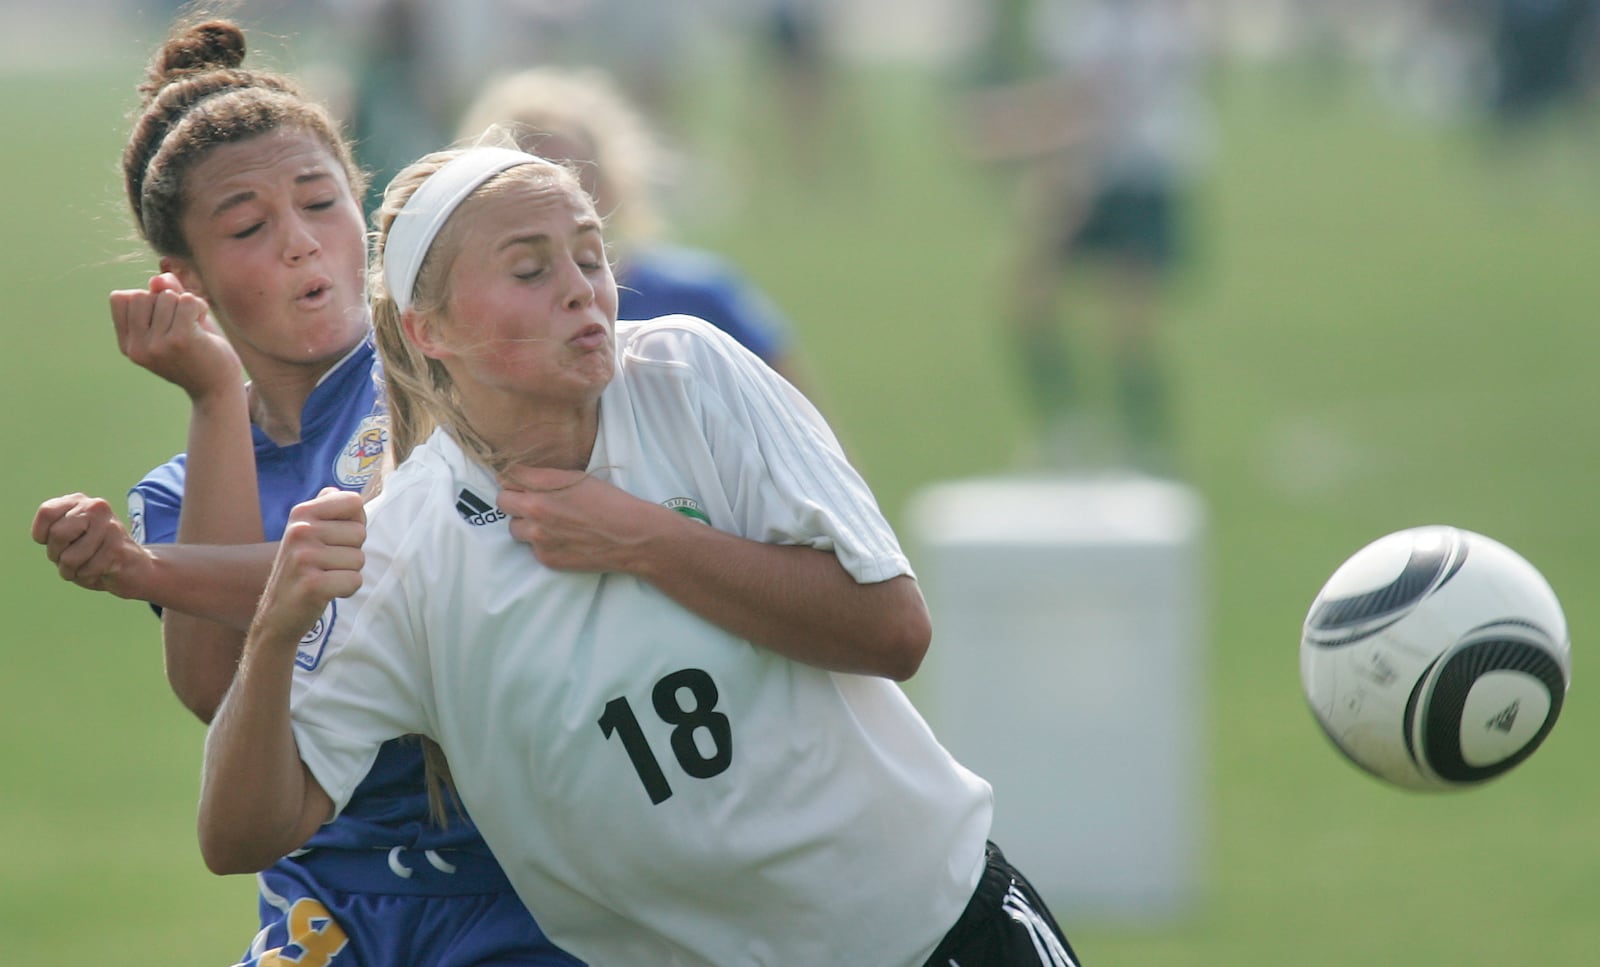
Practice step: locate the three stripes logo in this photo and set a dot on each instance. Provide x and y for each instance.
(1506, 718)
(477, 511)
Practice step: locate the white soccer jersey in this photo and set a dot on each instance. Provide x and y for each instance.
(659, 791)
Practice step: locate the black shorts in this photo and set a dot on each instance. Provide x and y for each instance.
(1005, 924)
(1135, 223)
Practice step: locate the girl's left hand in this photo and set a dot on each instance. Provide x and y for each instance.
(575, 521)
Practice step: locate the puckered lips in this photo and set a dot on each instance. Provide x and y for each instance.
(590, 337)
(316, 293)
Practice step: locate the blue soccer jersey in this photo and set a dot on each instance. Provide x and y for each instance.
(383, 855)
(668, 280)
(342, 431)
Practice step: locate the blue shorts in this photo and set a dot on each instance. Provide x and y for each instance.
(398, 908)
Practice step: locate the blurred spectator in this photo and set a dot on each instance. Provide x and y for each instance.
(647, 47)
(400, 71)
(797, 50)
(380, 64)
(1432, 59)
(580, 117)
(1544, 55)
(398, 113)
(1111, 139)
(1004, 54)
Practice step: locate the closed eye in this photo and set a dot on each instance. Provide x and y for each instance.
(249, 231)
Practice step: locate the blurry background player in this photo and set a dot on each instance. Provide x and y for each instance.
(395, 106)
(401, 71)
(248, 194)
(1546, 56)
(1110, 134)
(580, 117)
(795, 38)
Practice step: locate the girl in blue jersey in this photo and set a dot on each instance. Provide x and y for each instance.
(248, 193)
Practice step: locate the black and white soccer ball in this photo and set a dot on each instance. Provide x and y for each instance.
(1436, 658)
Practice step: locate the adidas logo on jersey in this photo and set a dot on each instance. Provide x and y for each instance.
(477, 511)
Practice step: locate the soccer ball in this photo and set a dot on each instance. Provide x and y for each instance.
(1436, 658)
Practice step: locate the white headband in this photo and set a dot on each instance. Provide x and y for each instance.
(429, 207)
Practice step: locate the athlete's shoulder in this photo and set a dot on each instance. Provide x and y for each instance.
(168, 477)
(677, 338)
(434, 490)
(154, 502)
(422, 469)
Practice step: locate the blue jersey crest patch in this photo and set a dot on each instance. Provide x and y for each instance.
(359, 459)
(136, 516)
(309, 654)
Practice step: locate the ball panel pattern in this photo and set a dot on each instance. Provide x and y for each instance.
(1435, 658)
(1441, 722)
(1334, 622)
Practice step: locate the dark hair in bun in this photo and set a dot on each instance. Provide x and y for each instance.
(196, 96)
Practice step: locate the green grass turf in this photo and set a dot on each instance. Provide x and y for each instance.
(1381, 329)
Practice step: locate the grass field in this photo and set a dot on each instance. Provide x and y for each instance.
(1383, 330)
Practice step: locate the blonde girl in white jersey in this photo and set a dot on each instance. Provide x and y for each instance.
(682, 741)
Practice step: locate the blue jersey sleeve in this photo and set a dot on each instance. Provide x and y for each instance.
(153, 506)
(154, 503)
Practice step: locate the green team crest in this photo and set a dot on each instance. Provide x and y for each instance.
(688, 507)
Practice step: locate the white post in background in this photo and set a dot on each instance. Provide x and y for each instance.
(1067, 669)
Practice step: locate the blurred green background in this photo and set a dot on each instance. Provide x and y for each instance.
(1386, 325)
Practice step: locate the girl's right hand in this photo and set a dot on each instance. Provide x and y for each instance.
(87, 543)
(169, 331)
